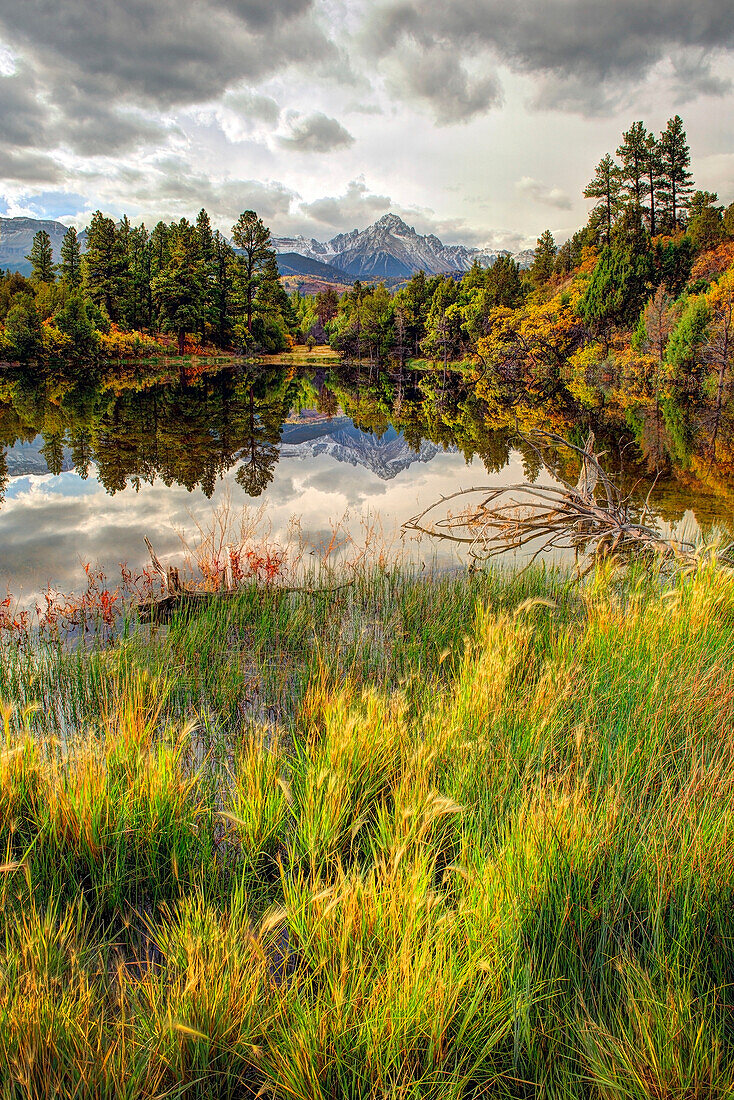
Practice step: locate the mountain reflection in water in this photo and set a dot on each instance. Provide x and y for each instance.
(154, 443)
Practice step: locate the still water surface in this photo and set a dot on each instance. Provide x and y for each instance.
(93, 461)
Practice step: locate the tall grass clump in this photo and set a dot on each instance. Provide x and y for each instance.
(438, 837)
(114, 813)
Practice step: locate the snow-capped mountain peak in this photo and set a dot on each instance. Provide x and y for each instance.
(390, 248)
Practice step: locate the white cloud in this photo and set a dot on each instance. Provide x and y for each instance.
(541, 193)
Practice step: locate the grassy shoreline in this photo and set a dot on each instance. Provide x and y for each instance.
(430, 836)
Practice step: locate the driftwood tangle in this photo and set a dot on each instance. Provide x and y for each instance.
(591, 517)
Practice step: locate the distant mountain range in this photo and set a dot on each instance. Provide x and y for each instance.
(389, 249)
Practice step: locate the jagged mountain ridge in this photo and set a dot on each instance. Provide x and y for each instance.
(390, 248)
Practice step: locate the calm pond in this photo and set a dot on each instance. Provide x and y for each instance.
(95, 459)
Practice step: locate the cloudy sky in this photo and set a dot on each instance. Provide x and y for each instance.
(480, 120)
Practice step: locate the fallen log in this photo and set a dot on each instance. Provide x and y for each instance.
(177, 595)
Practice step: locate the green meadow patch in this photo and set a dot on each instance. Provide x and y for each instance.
(446, 836)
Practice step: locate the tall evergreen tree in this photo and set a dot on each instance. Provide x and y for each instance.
(544, 258)
(221, 288)
(160, 247)
(205, 243)
(607, 186)
(503, 286)
(327, 305)
(105, 264)
(272, 307)
(139, 262)
(159, 256)
(633, 154)
(653, 170)
(676, 181)
(126, 306)
(42, 258)
(204, 235)
(71, 258)
(252, 238)
(179, 289)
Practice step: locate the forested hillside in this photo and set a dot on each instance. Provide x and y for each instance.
(643, 289)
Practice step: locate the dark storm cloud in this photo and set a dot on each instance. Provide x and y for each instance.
(30, 118)
(589, 43)
(164, 53)
(433, 73)
(22, 115)
(316, 133)
(87, 125)
(693, 76)
(28, 167)
(94, 76)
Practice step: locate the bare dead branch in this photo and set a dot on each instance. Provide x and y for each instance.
(510, 517)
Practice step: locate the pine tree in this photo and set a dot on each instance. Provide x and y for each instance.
(503, 286)
(705, 225)
(105, 264)
(221, 288)
(160, 247)
(607, 186)
(126, 293)
(139, 261)
(676, 183)
(179, 290)
(544, 258)
(633, 154)
(204, 235)
(74, 320)
(205, 243)
(252, 238)
(618, 287)
(327, 305)
(23, 328)
(42, 258)
(653, 169)
(71, 259)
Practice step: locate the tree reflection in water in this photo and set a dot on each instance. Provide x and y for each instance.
(189, 428)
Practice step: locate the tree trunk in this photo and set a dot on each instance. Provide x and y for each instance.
(181, 341)
(672, 192)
